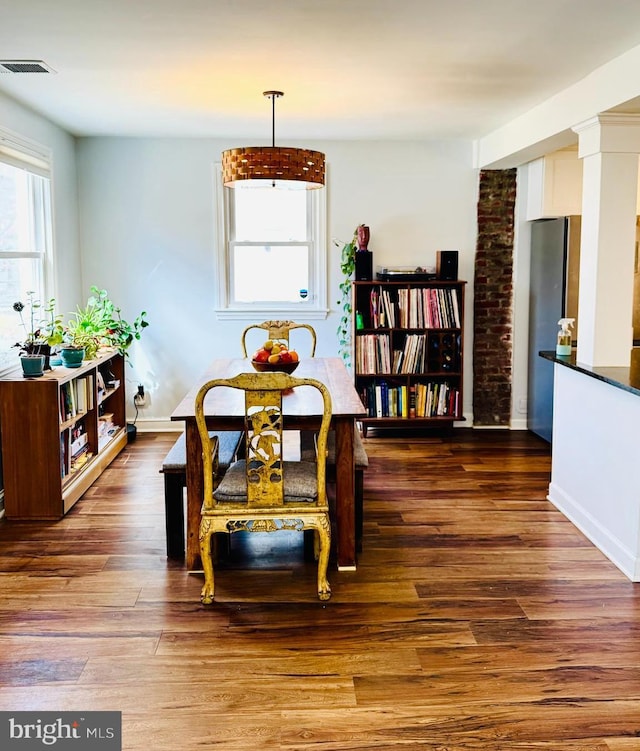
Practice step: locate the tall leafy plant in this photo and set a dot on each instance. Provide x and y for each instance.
(347, 267)
(100, 323)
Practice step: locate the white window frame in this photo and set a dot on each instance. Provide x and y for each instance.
(36, 159)
(314, 307)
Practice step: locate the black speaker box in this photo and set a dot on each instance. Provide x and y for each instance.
(447, 265)
(364, 265)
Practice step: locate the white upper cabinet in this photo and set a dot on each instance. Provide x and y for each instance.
(555, 185)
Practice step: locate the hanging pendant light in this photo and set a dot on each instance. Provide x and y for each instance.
(273, 163)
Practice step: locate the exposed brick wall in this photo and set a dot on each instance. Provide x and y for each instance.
(493, 299)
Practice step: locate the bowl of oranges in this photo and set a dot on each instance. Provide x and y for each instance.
(275, 356)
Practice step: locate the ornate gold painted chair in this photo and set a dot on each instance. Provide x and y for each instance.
(264, 493)
(279, 330)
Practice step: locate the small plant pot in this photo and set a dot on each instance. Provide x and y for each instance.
(72, 357)
(40, 349)
(32, 365)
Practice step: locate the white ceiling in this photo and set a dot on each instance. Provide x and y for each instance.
(373, 69)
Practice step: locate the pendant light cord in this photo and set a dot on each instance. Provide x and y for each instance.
(274, 95)
(273, 120)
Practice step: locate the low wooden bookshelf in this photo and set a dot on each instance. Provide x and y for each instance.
(408, 353)
(59, 433)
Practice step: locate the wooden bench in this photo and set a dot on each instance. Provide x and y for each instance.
(308, 453)
(174, 468)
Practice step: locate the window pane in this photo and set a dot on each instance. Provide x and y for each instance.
(25, 233)
(268, 214)
(17, 277)
(14, 209)
(270, 274)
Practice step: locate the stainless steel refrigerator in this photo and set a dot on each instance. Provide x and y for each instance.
(553, 294)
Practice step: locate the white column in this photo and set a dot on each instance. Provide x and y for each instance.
(609, 146)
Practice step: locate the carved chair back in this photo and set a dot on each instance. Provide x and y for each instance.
(279, 330)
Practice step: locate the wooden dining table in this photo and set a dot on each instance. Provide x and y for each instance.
(302, 409)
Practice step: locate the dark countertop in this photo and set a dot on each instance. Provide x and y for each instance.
(627, 378)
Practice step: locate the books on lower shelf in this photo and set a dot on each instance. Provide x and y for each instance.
(429, 399)
(106, 429)
(75, 450)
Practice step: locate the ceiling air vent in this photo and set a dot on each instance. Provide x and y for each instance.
(24, 66)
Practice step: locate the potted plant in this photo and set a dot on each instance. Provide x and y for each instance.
(74, 350)
(120, 333)
(41, 333)
(100, 324)
(85, 330)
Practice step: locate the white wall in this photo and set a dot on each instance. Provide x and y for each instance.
(147, 236)
(28, 124)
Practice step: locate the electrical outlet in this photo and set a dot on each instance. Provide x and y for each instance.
(139, 398)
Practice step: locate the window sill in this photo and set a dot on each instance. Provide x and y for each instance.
(273, 314)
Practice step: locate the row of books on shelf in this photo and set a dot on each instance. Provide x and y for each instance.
(76, 397)
(414, 308)
(75, 449)
(431, 399)
(373, 354)
(106, 429)
(419, 354)
(382, 308)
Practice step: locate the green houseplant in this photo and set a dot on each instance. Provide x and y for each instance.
(118, 332)
(85, 329)
(121, 333)
(347, 267)
(100, 324)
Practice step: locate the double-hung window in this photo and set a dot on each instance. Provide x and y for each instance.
(271, 252)
(25, 235)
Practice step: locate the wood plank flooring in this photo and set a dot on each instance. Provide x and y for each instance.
(479, 618)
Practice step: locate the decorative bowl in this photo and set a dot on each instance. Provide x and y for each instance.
(275, 367)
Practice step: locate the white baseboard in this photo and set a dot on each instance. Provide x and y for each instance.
(606, 543)
(513, 425)
(159, 425)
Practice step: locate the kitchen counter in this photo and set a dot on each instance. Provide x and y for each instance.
(618, 377)
(595, 473)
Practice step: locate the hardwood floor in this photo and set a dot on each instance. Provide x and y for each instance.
(479, 618)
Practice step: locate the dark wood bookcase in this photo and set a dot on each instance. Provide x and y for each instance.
(408, 352)
(59, 433)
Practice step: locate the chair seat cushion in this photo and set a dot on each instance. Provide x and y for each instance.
(228, 443)
(308, 449)
(300, 483)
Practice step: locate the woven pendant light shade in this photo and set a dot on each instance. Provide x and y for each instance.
(273, 163)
